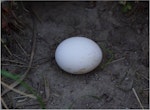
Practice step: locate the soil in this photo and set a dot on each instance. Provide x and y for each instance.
(123, 37)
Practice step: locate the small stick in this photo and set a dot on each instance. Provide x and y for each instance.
(17, 91)
(4, 104)
(137, 98)
(21, 100)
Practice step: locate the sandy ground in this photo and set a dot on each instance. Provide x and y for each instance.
(123, 38)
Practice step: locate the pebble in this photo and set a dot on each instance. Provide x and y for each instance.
(41, 92)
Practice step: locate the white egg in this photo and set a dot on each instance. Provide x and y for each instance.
(78, 55)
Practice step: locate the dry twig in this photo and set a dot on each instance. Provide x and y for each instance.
(17, 91)
(137, 98)
(4, 104)
(30, 62)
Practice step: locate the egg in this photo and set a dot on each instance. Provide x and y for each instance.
(78, 55)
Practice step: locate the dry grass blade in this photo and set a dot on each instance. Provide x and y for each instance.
(137, 98)
(24, 7)
(18, 22)
(6, 47)
(114, 61)
(4, 104)
(147, 89)
(36, 15)
(47, 88)
(21, 47)
(27, 105)
(17, 91)
(30, 62)
(20, 58)
(12, 61)
(142, 76)
(23, 66)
